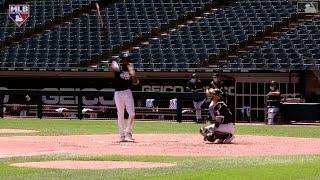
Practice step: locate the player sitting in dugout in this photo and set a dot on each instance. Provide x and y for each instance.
(223, 127)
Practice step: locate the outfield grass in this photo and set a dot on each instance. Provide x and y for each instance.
(302, 167)
(86, 127)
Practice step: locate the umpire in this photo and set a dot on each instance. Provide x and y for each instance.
(195, 85)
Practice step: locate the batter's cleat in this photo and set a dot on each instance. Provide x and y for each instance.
(129, 137)
(229, 139)
(122, 139)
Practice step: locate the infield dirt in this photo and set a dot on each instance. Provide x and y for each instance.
(160, 144)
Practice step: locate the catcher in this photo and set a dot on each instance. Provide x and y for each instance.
(223, 125)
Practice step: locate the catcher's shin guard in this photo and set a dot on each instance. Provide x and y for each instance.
(207, 136)
(211, 137)
(221, 135)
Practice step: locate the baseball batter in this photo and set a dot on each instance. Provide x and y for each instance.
(124, 78)
(223, 128)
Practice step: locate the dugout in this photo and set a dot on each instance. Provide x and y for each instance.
(244, 89)
(301, 112)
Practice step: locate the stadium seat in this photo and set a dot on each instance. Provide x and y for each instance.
(191, 43)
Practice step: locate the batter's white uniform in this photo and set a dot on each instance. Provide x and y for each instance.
(124, 101)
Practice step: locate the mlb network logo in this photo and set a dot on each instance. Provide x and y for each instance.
(19, 13)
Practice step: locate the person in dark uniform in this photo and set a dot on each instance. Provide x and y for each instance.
(195, 85)
(28, 103)
(124, 79)
(273, 102)
(224, 123)
(217, 83)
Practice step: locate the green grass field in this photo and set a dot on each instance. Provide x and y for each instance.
(290, 167)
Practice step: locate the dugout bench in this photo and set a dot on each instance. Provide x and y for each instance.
(108, 94)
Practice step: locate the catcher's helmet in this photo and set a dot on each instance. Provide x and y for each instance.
(215, 92)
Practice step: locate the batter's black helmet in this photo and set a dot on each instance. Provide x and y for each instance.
(274, 83)
(125, 57)
(194, 75)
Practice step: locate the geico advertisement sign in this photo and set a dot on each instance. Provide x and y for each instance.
(158, 88)
(72, 100)
(230, 90)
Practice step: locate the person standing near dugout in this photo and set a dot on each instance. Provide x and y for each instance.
(124, 79)
(195, 85)
(273, 102)
(217, 83)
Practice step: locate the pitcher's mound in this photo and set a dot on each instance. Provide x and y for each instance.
(9, 131)
(68, 164)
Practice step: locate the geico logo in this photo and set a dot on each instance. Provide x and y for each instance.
(163, 88)
(72, 100)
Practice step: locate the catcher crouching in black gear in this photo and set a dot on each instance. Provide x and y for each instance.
(223, 127)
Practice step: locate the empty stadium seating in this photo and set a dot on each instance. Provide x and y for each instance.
(218, 30)
(81, 39)
(129, 19)
(182, 47)
(40, 12)
(298, 49)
